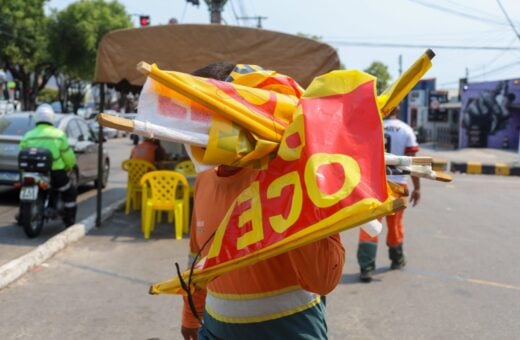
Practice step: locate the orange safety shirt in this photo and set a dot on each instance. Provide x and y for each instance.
(270, 289)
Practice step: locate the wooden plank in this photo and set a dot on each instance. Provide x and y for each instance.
(118, 123)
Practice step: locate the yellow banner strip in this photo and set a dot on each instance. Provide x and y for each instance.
(348, 221)
(393, 95)
(262, 126)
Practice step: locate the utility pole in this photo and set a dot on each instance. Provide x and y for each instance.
(259, 18)
(215, 9)
(400, 64)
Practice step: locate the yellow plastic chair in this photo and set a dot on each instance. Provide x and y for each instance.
(160, 194)
(136, 168)
(187, 169)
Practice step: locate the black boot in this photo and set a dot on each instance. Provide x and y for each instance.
(396, 255)
(365, 275)
(69, 216)
(366, 256)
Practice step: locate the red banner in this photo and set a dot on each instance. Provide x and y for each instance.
(331, 160)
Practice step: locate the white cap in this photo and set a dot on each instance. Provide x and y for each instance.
(44, 114)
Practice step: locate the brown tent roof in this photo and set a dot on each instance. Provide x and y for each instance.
(186, 48)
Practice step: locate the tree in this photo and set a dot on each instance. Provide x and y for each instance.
(82, 25)
(380, 71)
(23, 46)
(47, 95)
(310, 36)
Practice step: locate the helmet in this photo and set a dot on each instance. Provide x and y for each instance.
(44, 114)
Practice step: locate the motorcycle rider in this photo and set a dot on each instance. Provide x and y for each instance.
(46, 136)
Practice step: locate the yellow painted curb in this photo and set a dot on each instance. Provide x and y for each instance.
(502, 169)
(474, 168)
(440, 165)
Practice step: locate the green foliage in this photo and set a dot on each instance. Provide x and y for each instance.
(23, 35)
(380, 71)
(76, 31)
(310, 36)
(48, 95)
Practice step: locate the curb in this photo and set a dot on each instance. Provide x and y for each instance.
(14, 269)
(500, 169)
(440, 165)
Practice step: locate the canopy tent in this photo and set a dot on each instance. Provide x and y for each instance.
(186, 48)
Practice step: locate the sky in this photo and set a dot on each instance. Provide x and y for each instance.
(392, 29)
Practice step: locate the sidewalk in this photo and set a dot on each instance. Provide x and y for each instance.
(474, 160)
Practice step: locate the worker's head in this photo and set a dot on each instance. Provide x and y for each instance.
(394, 113)
(44, 114)
(218, 71)
(152, 140)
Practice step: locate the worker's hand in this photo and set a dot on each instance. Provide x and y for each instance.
(415, 197)
(189, 333)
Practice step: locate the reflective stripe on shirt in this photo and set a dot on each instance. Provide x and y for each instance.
(259, 307)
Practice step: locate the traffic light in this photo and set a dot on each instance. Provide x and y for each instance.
(144, 20)
(194, 2)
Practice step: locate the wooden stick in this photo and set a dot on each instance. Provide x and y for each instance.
(118, 123)
(421, 160)
(442, 177)
(391, 159)
(144, 67)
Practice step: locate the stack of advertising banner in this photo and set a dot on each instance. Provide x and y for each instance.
(319, 151)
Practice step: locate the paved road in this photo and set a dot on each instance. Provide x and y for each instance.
(461, 281)
(14, 243)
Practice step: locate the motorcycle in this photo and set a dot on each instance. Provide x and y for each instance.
(38, 201)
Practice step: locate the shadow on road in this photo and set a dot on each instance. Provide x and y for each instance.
(127, 228)
(10, 196)
(354, 277)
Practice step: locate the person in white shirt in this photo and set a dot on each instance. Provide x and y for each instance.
(399, 140)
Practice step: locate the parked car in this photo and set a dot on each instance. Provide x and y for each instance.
(81, 139)
(108, 132)
(132, 115)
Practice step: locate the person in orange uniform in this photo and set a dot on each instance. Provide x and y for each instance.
(399, 140)
(279, 298)
(149, 150)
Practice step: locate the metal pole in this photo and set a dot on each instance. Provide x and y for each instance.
(100, 158)
(215, 8)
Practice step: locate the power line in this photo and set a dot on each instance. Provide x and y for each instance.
(242, 8)
(508, 19)
(449, 47)
(468, 8)
(456, 12)
(501, 68)
(232, 3)
(257, 18)
(494, 59)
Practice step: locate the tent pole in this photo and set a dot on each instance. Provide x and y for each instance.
(100, 157)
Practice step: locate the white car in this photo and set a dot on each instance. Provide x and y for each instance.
(108, 132)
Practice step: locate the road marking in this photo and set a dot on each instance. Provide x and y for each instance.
(493, 284)
(447, 277)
